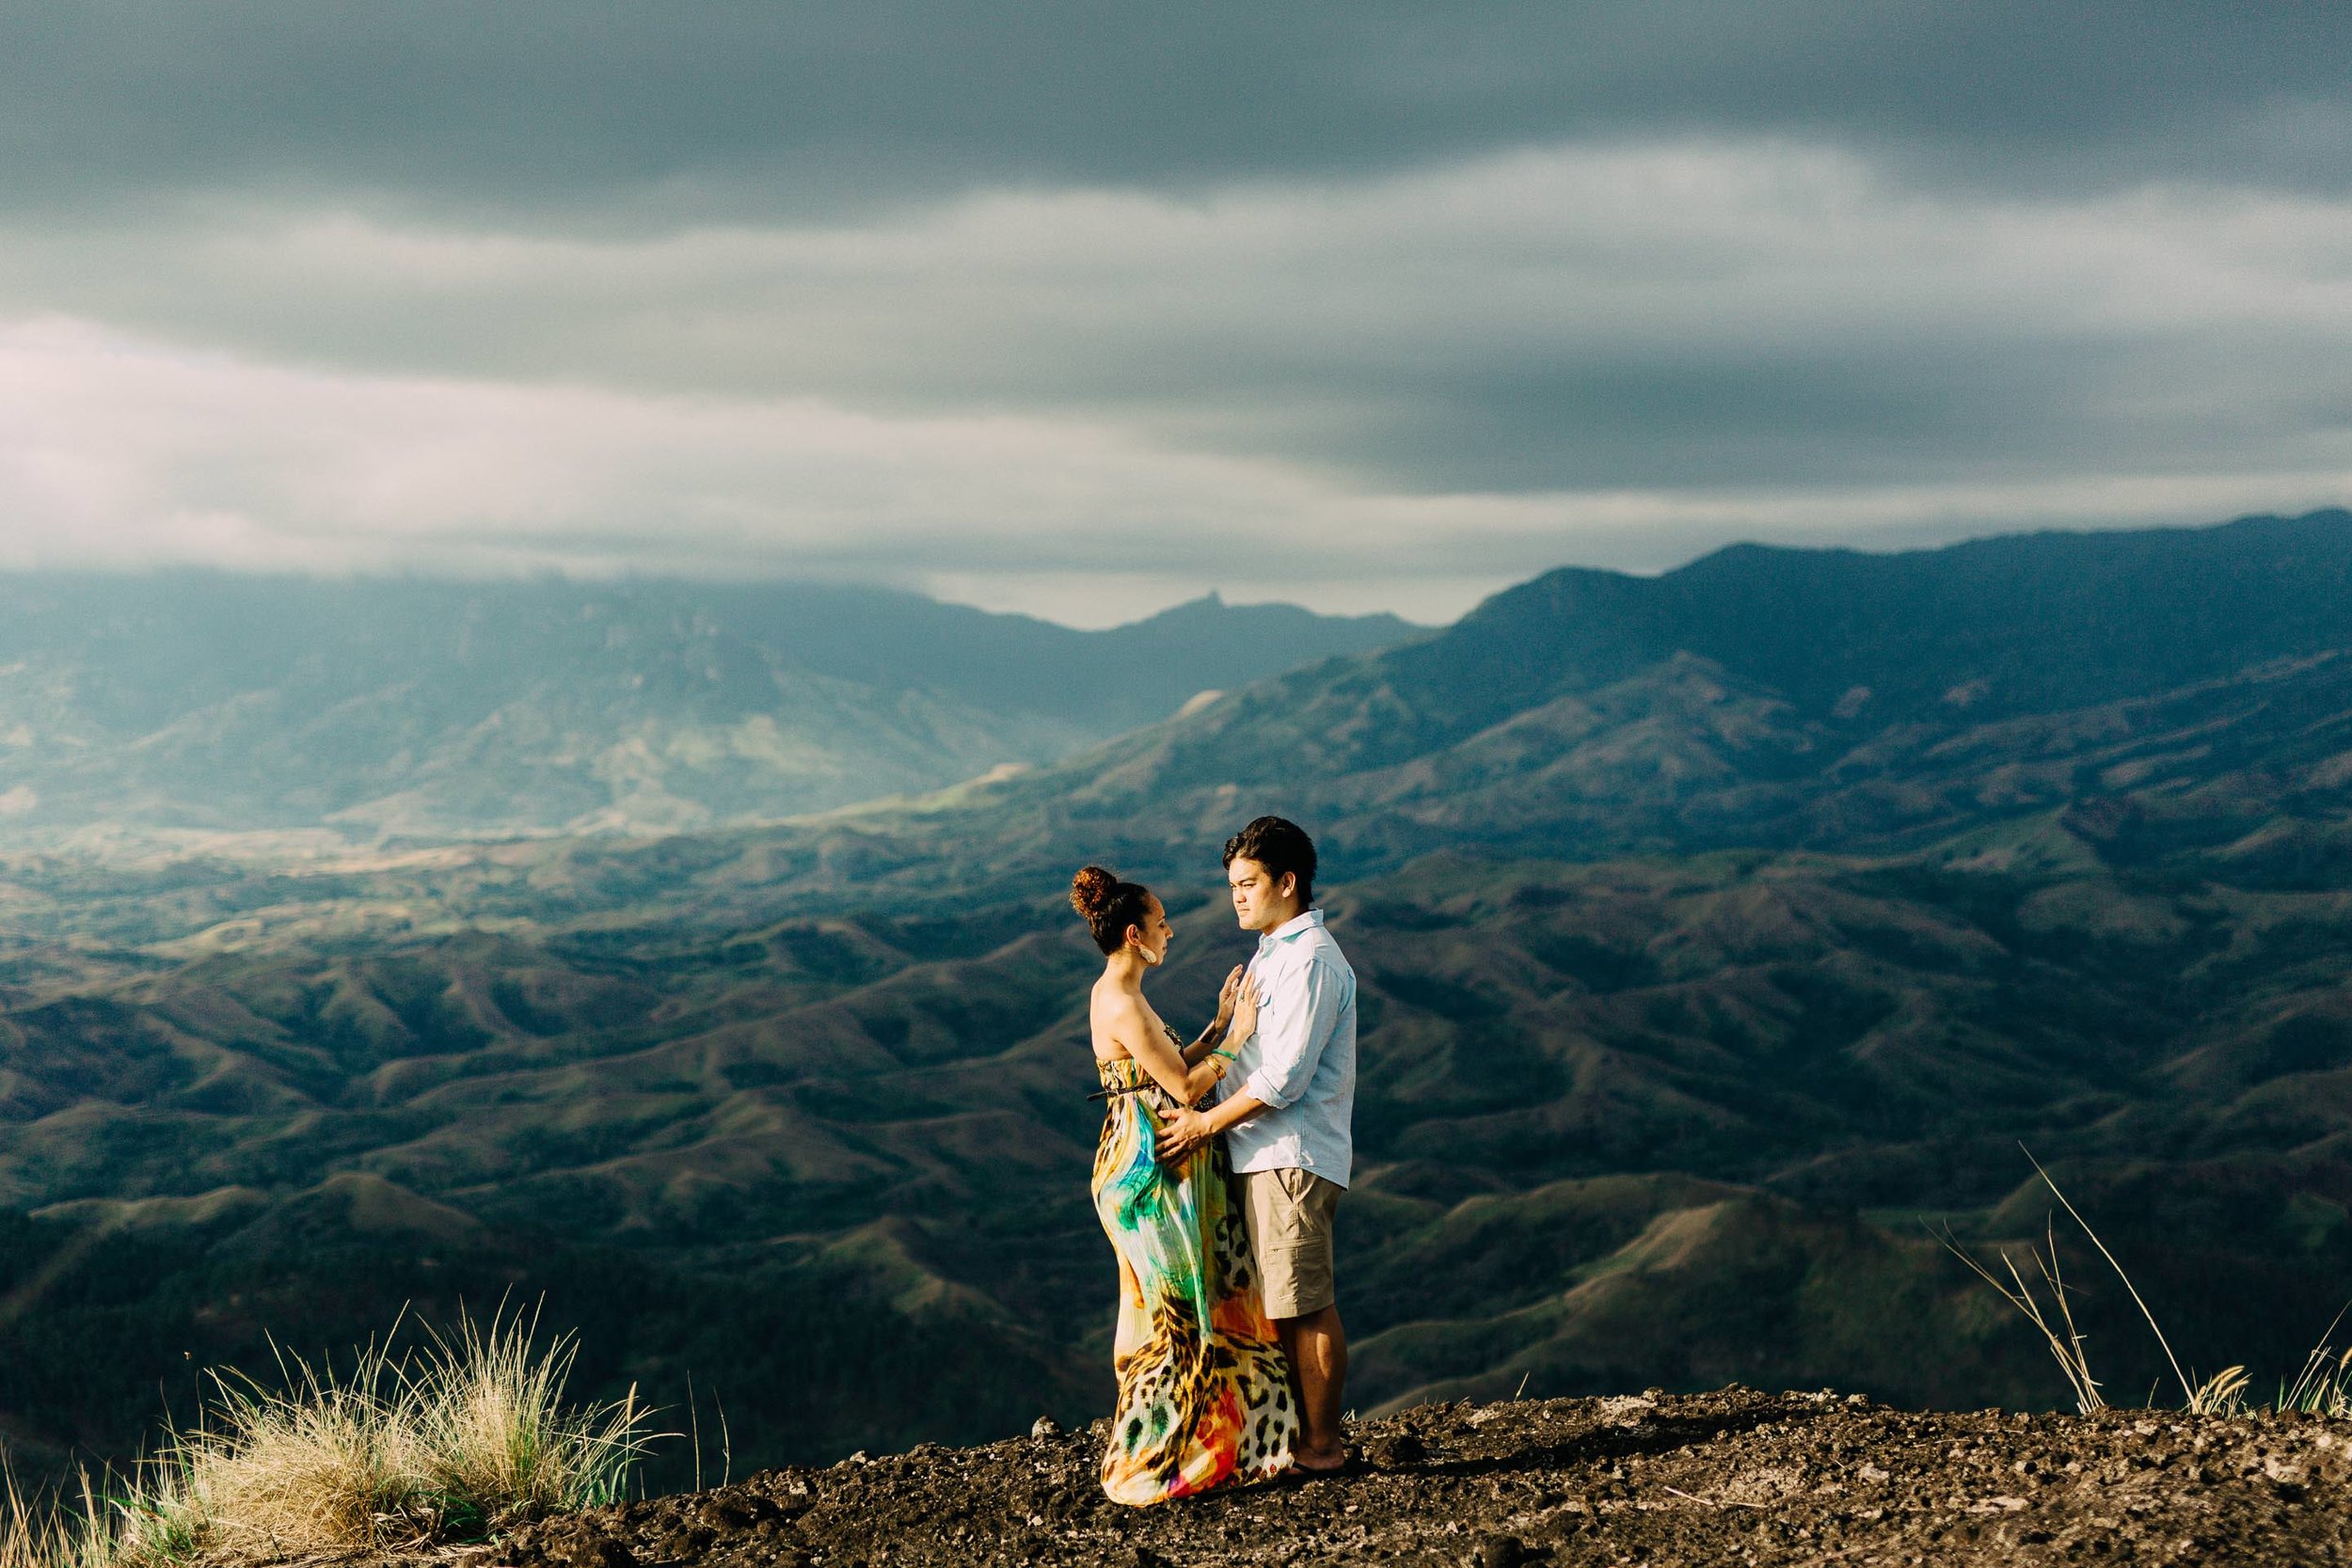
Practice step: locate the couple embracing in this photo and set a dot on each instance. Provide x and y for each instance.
(1217, 1177)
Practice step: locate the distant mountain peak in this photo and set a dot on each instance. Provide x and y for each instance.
(213, 701)
(2047, 619)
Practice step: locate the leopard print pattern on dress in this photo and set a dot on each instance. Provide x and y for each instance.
(1204, 1396)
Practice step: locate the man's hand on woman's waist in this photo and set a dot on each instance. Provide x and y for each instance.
(1187, 1131)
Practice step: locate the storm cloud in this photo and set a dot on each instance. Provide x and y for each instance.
(563, 105)
(1083, 308)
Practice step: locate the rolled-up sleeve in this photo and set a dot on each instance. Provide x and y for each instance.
(1291, 1032)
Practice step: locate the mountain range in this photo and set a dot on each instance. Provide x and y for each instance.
(1722, 937)
(377, 708)
(1758, 697)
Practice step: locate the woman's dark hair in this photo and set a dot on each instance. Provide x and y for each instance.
(1280, 847)
(1109, 906)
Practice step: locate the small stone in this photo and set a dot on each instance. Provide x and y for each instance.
(1626, 1410)
(1497, 1551)
(1395, 1453)
(599, 1551)
(1045, 1426)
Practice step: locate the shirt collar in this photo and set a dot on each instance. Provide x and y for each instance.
(1304, 921)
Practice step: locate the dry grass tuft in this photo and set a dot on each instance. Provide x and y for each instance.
(2056, 1322)
(326, 1460)
(460, 1440)
(491, 1432)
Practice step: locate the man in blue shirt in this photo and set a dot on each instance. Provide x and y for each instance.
(1285, 1112)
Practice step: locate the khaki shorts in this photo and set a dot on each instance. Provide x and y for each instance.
(1290, 1236)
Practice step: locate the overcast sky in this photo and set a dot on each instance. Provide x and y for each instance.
(1082, 309)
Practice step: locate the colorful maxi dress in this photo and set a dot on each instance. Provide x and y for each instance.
(1204, 1396)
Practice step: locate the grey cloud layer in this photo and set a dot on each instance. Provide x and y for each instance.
(584, 110)
(1380, 305)
(1693, 315)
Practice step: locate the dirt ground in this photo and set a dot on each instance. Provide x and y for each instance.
(1730, 1478)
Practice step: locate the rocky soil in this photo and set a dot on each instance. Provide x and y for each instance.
(1730, 1478)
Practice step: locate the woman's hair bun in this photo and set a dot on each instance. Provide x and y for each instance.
(1109, 906)
(1090, 891)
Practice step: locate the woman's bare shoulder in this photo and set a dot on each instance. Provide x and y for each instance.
(1117, 1016)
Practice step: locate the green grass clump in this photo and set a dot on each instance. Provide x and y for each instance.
(458, 1439)
(2323, 1388)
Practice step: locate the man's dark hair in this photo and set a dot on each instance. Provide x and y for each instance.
(1280, 847)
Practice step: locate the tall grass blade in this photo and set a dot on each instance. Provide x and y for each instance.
(2188, 1390)
(2066, 1349)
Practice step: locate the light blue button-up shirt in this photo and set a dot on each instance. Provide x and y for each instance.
(1302, 1060)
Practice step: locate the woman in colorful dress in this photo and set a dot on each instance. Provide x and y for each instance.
(1203, 1392)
